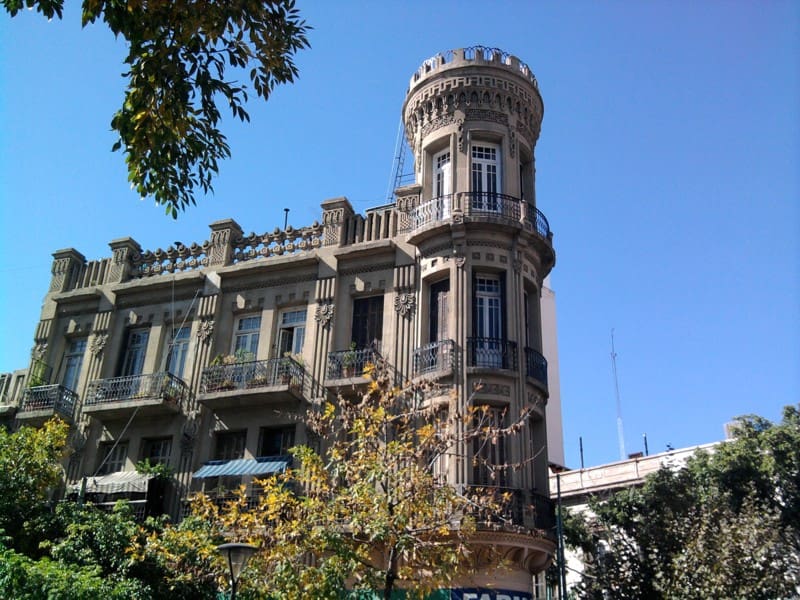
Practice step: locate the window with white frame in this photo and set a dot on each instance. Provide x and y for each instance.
(111, 457)
(488, 341)
(292, 332)
(157, 450)
(442, 185)
(246, 339)
(486, 180)
(178, 350)
(73, 360)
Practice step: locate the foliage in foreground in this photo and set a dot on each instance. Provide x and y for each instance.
(724, 526)
(30, 471)
(371, 511)
(178, 51)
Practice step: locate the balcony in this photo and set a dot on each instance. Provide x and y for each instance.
(513, 506)
(491, 353)
(148, 395)
(536, 367)
(488, 207)
(436, 359)
(44, 401)
(252, 383)
(346, 367)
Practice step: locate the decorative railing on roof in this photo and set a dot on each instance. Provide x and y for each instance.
(174, 259)
(475, 53)
(277, 243)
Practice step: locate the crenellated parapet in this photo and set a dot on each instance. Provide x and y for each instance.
(476, 84)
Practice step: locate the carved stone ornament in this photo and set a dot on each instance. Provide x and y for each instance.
(405, 303)
(98, 343)
(324, 314)
(206, 330)
(39, 350)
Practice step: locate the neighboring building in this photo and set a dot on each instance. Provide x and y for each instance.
(198, 356)
(579, 485)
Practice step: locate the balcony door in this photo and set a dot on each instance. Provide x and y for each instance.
(488, 321)
(442, 184)
(73, 361)
(486, 181)
(135, 350)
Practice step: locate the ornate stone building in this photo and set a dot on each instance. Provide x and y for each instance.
(197, 355)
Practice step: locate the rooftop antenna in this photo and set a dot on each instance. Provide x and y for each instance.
(620, 434)
(285, 218)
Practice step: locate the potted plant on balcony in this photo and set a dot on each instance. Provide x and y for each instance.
(349, 361)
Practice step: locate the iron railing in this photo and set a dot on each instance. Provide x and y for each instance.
(61, 400)
(539, 222)
(433, 357)
(478, 204)
(514, 506)
(536, 366)
(155, 386)
(492, 353)
(254, 374)
(350, 363)
(438, 209)
(492, 204)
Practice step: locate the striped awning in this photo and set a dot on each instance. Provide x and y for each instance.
(114, 483)
(243, 466)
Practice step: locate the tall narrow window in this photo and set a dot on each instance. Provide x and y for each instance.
(292, 332)
(437, 321)
(178, 349)
(442, 184)
(368, 321)
(275, 441)
(157, 450)
(485, 178)
(111, 458)
(489, 447)
(230, 445)
(488, 343)
(73, 360)
(133, 361)
(247, 332)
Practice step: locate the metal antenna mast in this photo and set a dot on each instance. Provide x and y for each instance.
(620, 433)
(398, 164)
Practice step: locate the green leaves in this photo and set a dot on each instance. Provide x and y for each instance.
(724, 526)
(178, 52)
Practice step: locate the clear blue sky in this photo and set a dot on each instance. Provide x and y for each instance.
(668, 166)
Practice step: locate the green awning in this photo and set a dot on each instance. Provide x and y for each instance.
(243, 466)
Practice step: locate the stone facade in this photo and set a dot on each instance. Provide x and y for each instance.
(204, 351)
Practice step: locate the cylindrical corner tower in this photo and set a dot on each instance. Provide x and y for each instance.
(472, 118)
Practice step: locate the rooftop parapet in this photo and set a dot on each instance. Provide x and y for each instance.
(473, 55)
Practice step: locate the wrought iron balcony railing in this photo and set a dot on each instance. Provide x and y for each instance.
(255, 374)
(536, 366)
(350, 363)
(478, 204)
(491, 353)
(434, 357)
(539, 222)
(155, 386)
(513, 506)
(61, 400)
(438, 209)
(492, 204)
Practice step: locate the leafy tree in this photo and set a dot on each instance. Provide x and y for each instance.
(723, 526)
(371, 511)
(178, 51)
(30, 472)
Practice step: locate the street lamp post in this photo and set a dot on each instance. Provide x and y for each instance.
(237, 556)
